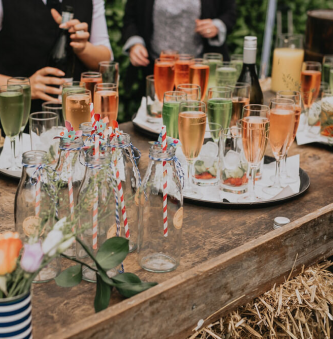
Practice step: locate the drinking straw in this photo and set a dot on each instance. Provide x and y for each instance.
(165, 184)
(37, 205)
(92, 113)
(95, 211)
(70, 187)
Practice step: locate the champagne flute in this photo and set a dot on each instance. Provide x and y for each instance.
(226, 74)
(282, 124)
(11, 115)
(192, 91)
(219, 106)
(255, 132)
(25, 83)
(90, 79)
(296, 97)
(70, 86)
(169, 54)
(153, 105)
(170, 111)
(240, 98)
(106, 100)
(110, 71)
(310, 83)
(50, 106)
(164, 75)
(78, 107)
(191, 127)
(199, 75)
(182, 69)
(236, 60)
(212, 60)
(326, 128)
(327, 66)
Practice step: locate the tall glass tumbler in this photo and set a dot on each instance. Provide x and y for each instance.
(170, 111)
(326, 129)
(327, 66)
(11, 115)
(153, 105)
(54, 107)
(110, 71)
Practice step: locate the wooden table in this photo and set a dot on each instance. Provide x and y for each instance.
(229, 257)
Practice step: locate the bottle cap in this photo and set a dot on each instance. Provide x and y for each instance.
(280, 221)
(250, 42)
(68, 9)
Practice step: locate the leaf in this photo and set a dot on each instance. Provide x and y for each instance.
(70, 277)
(85, 247)
(103, 295)
(105, 278)
(126, 277)
(129, 290)
(112, 252)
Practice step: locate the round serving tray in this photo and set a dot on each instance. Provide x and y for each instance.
(304, 185)
(142, 130)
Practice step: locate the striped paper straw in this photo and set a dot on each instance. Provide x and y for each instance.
(165, 184)
(70, 188)
(92, 113)
(95, 210)
(37, 205)
(122, 201)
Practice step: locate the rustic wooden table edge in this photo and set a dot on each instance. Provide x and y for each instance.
(173, 308)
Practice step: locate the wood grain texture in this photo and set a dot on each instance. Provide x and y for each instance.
(209, 236)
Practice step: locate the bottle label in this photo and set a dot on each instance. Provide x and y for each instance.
(66, 16)
(31, 226)
(178, 219)
(249, 56)
(112, 232)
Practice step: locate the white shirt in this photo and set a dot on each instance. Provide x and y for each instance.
(98, 34)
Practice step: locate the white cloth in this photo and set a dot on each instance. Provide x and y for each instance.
(99, 33)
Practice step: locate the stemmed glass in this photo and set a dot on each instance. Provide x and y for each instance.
(170, 111)
(192, 91)
(25, 83)
(110, 71)
(50, 106)
(164, 75)
(78, 107)
(90, 79)
(226, 74)
(296, 97)
(282, 123)
(70, 86)
(182, 68)
(106, 100)
(199, 75)
(236, 60)
(240, 98)
(169, 53)
(219, 106)
(327, 66)
(212, 60)
(11, 115)
(255, 132)
(191, 127)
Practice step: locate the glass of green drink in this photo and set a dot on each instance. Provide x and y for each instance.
(226, 74)
(212, 60)
(327, 66)
(219, 106)
(69, 86)
(192, 91)
(11, 115)
(25, 83)
(237, 61)
(170, 111)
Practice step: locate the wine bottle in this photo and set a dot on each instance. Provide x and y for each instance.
(62, 55)
(249, 70)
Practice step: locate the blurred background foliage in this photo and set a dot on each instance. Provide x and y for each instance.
(251, 21)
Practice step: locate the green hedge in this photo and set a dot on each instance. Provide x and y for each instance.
(251, 21)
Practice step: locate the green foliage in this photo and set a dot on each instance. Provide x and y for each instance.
(70, 277)
(251, 21)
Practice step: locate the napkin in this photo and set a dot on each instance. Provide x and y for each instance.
(304, 137)
(141, 119)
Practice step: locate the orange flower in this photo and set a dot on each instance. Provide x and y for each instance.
(10, 246)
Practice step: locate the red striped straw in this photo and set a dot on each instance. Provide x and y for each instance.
(92, 114)
(70, 188)
(95, 210)
(37, 205)
(122, 201)
(165, 184)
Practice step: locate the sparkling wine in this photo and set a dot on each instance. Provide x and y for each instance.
(326, 71)
(170, 118)
(226, 76)
(11, 112)
(192, 126)
(90, 84)
(254, 139)
(310, 84)
(219, 111)
(199, 75)
(237, 109)
(182, 72)
(169, 54)
(65, 91)
(212, 71)
(238, 64)
(298, 111)
(77, 109)
(164, 73)
(106, 103)
(282, 123)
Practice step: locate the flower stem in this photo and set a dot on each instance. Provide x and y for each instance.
(78, 261)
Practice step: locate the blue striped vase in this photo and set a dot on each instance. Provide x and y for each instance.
(15, 317)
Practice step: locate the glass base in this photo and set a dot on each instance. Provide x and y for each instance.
(272, 190)
(158, 263)
(205, 183)
(48, 273)
(288, 180)
(132, 246)
(90, 275)
(234, 189)
(249, 198)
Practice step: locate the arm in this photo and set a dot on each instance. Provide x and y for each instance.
(3, 79)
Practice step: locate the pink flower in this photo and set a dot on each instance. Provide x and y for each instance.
(32, 257)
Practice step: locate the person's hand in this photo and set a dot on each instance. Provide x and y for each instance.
(139, 55)
(79, 29)
(40, 80)
(206, 28)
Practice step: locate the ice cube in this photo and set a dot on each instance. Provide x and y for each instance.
(209, 148)
(232, 160)
(208, 160)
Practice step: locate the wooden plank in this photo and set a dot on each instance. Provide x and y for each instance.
(173, 308)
